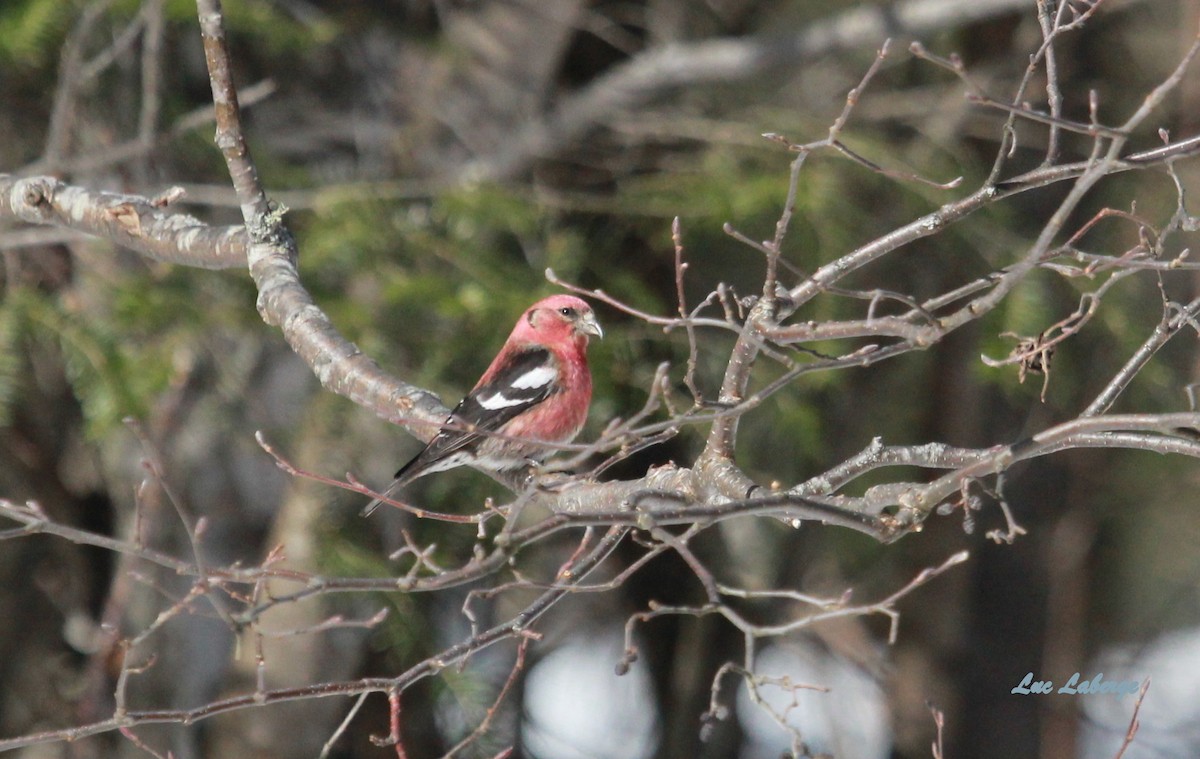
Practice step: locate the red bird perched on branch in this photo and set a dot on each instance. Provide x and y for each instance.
(533, 397)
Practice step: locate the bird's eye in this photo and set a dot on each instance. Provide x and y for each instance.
(567, 311)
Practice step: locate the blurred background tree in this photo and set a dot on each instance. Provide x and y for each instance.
(436, 157)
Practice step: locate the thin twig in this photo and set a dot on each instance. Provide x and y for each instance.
(1134, 722)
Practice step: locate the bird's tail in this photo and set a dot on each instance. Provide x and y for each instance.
(387, 492)
(409, 472)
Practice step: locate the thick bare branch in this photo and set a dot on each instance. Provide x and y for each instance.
(133, 221)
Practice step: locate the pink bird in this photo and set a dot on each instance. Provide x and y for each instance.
(533, 397)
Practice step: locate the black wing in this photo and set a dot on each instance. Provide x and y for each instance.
(527, 380)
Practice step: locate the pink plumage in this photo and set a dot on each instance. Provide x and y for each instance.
(533, 397)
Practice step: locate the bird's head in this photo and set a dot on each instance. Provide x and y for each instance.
(557, 318)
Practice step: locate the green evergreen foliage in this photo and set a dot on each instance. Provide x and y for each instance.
(30, 33)
(10, 363)
(111, 377)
